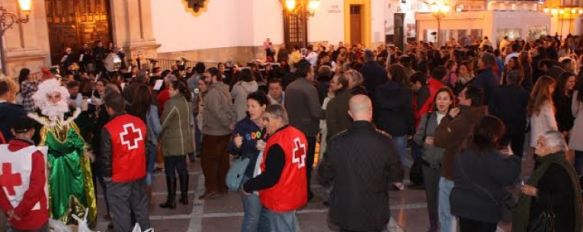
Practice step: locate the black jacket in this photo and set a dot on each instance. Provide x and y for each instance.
(374, 75)
(475, 173)
(509, 104)
(563, 115)
(303, 106)
(360, 163)
(487, 81)
(555, 189)
(394, 109)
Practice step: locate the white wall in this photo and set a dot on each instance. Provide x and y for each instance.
(378, 21)
(267, 21)
(222, 23)
(327, 24)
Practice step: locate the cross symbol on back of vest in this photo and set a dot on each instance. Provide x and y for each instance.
(299, 153)
(9, 180)
(130, 136)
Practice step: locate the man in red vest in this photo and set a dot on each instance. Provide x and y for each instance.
(282, 184)
(23, 196)
(123, 158)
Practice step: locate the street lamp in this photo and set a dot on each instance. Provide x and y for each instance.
(439, 9)
(298, 7)
(563, 13)
(7, 20)
(299, 11)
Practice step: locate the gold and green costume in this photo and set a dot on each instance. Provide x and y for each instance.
(71, 189)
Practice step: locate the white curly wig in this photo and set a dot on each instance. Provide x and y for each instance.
(42, 102)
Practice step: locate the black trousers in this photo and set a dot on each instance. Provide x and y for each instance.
(173, 164)
(469, 225)
(431, 184)
(516, 142)
(310, 161)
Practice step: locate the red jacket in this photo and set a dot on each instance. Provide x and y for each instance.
(29, 219)
(290, 192)
(128, 148)
(163, 97)
(433, 85)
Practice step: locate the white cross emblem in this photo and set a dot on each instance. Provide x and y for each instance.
(299, 153)
(131, 138)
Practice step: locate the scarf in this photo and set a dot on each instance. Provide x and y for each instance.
(521, 214)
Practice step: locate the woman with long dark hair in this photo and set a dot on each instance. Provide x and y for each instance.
(482, 173)
(177, 141)
(525, 62)
(143, 107)
(562, 98)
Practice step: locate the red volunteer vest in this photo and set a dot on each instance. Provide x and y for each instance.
(128, 144)
(290, 192)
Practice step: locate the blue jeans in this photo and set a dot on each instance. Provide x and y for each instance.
(446, 219)
(282, 222)
(150, 161)
(254, 217)
(400, 143)
(579, 162)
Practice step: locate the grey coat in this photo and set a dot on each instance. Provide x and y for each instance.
(302, 103)
(576, 139)
(218, 112)
(432, 154)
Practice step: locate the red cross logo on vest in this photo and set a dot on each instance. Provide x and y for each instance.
(131, 136)
(9, 180)
(299, 153)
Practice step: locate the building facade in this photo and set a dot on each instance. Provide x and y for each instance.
(221, 30)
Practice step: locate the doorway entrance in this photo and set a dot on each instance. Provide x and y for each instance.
(356, 27)
(72, 23)
(357, 22)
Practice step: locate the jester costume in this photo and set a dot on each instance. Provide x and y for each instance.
(70, 181)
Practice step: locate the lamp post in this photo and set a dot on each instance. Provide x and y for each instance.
(439, 9)
(7, 20)
(301, 9)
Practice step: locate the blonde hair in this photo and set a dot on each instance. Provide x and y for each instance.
(12, 84)
(540, 95)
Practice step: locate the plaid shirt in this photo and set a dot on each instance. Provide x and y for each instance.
(27, 89)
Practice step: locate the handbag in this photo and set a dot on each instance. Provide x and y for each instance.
(545, 222)
(416, 172)
(236, 173)
(507, 204)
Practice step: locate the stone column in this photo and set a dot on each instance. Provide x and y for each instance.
(132, 28)
(27, 45)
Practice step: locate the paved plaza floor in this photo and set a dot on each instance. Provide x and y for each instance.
(225, 212)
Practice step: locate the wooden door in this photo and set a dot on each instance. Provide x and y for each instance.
(295, 29)
(356, 24)
(72, 23)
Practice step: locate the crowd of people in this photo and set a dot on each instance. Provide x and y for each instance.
(461, 119)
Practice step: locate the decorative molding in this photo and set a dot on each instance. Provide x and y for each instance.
(195, 5)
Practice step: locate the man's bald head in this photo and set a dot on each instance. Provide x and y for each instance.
(360, 108)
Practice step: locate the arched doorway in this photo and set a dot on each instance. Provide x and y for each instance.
(72, 23)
